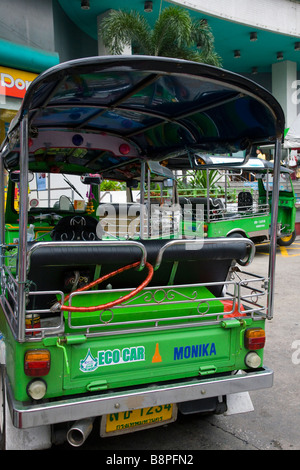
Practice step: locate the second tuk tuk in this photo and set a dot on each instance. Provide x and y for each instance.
(237, 200)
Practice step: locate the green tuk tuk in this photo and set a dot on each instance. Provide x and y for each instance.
(108, 310)
(237, 201)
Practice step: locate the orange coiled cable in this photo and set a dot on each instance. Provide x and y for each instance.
(114, 302)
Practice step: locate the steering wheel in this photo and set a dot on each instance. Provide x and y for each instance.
(113, 303)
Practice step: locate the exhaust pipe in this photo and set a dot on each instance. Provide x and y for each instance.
(80, 431)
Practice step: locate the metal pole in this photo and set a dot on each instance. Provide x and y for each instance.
(148, 203)
(226, 177)
(274, 216)
(142, 198)
(23, 213)
(2, 199)
(207, 195)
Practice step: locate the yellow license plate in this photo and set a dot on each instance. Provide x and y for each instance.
(136, 420)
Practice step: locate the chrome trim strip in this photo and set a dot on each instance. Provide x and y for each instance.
(71, 409)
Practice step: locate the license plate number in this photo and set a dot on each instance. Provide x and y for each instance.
(135, 420)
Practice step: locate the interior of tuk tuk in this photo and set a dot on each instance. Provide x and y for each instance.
(129, 120)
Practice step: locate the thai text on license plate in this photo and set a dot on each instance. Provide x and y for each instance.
(135, 420)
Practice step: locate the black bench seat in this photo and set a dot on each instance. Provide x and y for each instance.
(50, 264)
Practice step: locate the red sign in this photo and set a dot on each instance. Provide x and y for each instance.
(15, 82)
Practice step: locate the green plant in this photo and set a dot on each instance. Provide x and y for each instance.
(174, 34)
(198, 180)
(108, 185)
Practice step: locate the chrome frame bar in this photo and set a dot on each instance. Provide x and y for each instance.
(2, 214)
(273, 238)
(21, 298)
(253, 308)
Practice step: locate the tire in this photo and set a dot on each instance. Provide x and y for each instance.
(288, 240)
(242, 262)
(235, 235)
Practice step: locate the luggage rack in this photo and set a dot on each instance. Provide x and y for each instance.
(244, 295)
(243, 289)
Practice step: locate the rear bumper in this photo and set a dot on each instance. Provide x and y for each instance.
(74, 408)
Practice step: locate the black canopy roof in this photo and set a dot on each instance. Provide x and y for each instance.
(103, 113)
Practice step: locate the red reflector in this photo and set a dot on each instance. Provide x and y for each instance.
(255, 338)
(124, 149)
(37, 362)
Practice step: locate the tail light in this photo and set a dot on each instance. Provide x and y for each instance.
(37, 362)
(255, 338)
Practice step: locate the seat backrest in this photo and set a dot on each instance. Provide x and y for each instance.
(120, 220)
(245, 200)
(51, 266)
(75, 227)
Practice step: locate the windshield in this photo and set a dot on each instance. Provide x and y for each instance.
(57, 191)
(131, 210)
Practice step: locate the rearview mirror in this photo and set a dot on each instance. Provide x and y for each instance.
(91, 179)
(202, 161)
(14, 176)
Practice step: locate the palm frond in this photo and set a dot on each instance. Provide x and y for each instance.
(122, 28)
(173, 27)
(174, 34)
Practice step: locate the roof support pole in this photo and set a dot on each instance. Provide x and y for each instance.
(274, 216)
(23, 227)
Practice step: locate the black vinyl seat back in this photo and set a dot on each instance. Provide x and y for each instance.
(245, 201)
(199, 206)
(51, 266)
(75, 227)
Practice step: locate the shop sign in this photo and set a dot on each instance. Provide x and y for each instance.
(15, 82)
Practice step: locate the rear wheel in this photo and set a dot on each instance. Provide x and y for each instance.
(288, 240)
(242, 262)
(235, 235)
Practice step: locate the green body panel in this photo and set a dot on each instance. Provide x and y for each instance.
(287, 211)
(15, 354)
(40, 230)
(246, 225)
(154, 305)
(81, 365)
